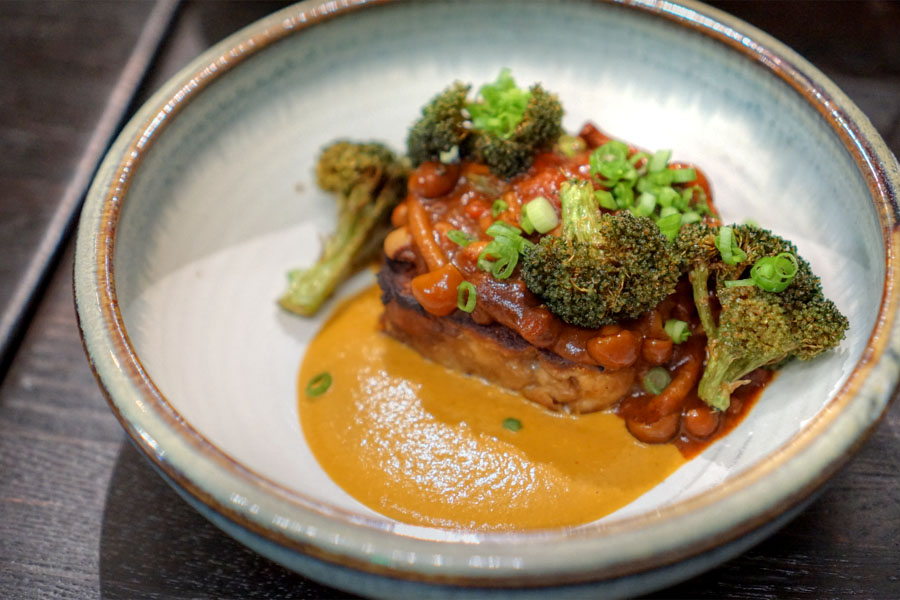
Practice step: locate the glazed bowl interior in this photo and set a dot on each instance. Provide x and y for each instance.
(225, 203)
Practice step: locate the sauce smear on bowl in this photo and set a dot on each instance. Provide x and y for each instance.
(425, 445)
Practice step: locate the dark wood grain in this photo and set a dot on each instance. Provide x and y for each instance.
(69, 72)
(82, 515)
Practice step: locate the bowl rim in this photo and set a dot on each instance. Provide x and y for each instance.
(624, 547)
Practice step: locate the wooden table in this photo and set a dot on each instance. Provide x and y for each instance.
(82, 515)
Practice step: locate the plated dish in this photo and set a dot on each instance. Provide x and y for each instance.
(205, 201)
(573, 271)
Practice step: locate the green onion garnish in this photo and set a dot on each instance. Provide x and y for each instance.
(683, 175)
(638, 157)
(525, 222)
(656, 380)
(610, 161)
(319, 384)
(499, 257)
(541, 214)
(670, 225)
(570, 145)
(774, 274)
(677, 330)
(466, 297)
(512, 424)
(668, 197)
(605, 200)
(499, 107)
(624, 194)
(502, 229)
(646, 204)
(460, 238)
(668, 211)
(498, 207)
(651, 184)
(728, 248)
(770, 273)
(659, 160)
(691, 216)
(508, 234)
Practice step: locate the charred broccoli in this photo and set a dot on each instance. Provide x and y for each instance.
(441, 128)
(603, 267)
(503, 127)
(776, 314)
(367, 180)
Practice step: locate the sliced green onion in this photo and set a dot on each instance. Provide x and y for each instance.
(503, 229)
(728, 248)
(668, 197)
(740, 283)
(611, 150)
(610, 161)
(624, 195)
(660, 178)
(460, 238)
(677, 330)
(667, 211)
(503, 267)
(570, 145)
(669, 225)
(499, 258)
(512, 424)
(659, 160)
(466, 296)
(775, 273)
(605, 200)
(638, 157)
(505, 234)
(683, 175)
(615, 171)
(541, 214)
(646, 204)
(526, 224)
(690, 216)
(498, 207)
(319, 384)
(656, 380)
(770, 273)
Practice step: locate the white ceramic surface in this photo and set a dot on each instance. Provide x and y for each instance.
(218, 201)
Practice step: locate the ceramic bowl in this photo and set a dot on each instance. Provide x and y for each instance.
(207, 199)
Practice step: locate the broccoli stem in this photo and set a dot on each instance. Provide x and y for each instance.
(722, 375)
(309, 288)
(699, 277)
(343, 252)
(579, 211)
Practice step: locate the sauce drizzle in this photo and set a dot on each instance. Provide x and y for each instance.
(425, 445)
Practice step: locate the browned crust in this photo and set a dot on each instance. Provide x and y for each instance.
(495, 353)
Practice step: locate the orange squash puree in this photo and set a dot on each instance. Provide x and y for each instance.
(425, 445)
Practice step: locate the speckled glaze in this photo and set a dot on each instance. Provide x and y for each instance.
(206, 200)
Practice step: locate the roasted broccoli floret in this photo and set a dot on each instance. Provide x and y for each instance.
(367, 181)
(441, 128)
(503, 127)
(755, 327)
(603, 268)
(511, 125)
